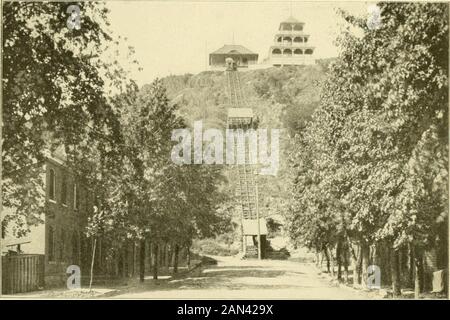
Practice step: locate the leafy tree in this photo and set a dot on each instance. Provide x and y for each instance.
(146, 196)
(56, 85)
(383, 112)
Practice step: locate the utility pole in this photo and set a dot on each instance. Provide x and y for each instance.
(257, 220)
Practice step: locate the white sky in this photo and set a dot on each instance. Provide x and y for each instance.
(174, 37)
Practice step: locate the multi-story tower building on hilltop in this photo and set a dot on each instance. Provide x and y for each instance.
(291, 45)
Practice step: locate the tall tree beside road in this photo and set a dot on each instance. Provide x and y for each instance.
(380, 138)
(56, 83)
(146, 196)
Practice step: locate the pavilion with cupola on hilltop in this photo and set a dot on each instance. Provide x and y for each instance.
(243, 57)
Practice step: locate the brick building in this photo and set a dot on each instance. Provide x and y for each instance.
(60, 235)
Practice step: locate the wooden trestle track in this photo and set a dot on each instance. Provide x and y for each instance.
(247, 191)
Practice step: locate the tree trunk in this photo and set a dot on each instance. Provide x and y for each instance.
(167, 256)
(359, 265)
(124, 261)
(416, 281)
(355, 265)
(374, 256)
(161, 255)
(325, 252)
(330, 250)
(345, 258)
(155, 252)
(418, 274)
(385, 263)
(411, 268)
(339, 259)
(365, 253)
(395, 274)
(135, 259)
(175, 259)
(149, 254)
(422, 274)
(116, 262)
(188, 258)
(142, 260)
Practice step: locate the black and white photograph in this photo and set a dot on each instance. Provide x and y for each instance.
(224, 150)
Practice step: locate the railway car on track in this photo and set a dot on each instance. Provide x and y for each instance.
(231, 64)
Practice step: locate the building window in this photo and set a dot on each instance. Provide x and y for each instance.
(75, 196)
(52, 185)
(287, 40)
(64, 190)
(286, 27)
(287, 52)
(276, 51)
(51, 244)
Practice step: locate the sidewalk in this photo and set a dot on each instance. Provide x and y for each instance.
(99, 291)
(61, 293)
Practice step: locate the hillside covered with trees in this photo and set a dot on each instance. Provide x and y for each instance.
(280, 98)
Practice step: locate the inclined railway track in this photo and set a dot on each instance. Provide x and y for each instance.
(246, 177)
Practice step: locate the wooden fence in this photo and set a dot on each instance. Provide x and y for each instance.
(23, 273)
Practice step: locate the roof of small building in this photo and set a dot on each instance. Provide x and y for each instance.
(233, 49)
(240, 113)
(291, 19)
(250, 227)
(291, 34)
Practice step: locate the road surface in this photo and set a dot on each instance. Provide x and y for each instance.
(233, 278)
